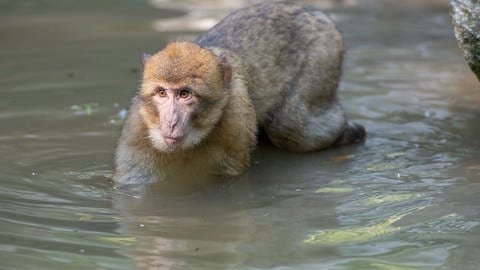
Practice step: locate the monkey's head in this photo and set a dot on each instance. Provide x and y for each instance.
(183, 93)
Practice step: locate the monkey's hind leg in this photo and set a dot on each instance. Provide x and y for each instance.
(297, 128)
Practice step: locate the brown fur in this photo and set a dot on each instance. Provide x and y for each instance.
(275, 65)
(183, 61)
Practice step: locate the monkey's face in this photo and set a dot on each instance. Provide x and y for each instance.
(176, 116)
(183, 95)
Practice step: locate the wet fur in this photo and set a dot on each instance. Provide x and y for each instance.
(286, 65)
(293, 58)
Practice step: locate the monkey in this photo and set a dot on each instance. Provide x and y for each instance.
(273, 66)
(190, 113)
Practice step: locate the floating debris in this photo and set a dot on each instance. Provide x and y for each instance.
(334, 190)
(341, 158)
(358, 234)
(124, 241)
(381, 199)
(84, 217)
(381, 167)
(396, 154)
(122, 114)
(119, 117)
(83, 109)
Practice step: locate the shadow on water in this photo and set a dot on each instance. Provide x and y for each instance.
(405, 199)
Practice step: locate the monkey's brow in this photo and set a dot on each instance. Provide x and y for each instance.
(176, 89)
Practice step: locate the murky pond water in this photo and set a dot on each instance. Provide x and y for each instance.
(405, 199)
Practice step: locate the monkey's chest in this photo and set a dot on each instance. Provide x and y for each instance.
(195, 166)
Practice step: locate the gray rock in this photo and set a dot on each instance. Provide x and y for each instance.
(466, 22)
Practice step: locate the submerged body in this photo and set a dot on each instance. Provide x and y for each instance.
(275, 66)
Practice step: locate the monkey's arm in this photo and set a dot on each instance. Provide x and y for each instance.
(133, 167)
(236, 132)
(134, 158)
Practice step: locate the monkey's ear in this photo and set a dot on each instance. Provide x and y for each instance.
(226, 69)
(145, 57)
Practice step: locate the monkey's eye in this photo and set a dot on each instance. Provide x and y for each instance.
(160, 91)
(185, 93)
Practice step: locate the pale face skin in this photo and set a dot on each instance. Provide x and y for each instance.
(174, 108)
(182, 96)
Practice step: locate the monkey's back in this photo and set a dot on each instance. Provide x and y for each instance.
(287, 49)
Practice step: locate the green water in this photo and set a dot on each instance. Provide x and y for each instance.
(405, 199)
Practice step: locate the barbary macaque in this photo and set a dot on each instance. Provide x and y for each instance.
(274, 66)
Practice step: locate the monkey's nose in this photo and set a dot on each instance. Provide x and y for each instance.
(172, 125)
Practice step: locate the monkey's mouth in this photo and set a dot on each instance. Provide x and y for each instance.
(172, 140)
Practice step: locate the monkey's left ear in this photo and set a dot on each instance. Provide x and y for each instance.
(226, 69)
(145, 57)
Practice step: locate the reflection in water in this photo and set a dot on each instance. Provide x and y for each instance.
(200, 226)
(227, 225)
(405, 199)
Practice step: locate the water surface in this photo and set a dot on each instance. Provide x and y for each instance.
(405, 199)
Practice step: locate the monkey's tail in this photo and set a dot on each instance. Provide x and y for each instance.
(353, 133)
